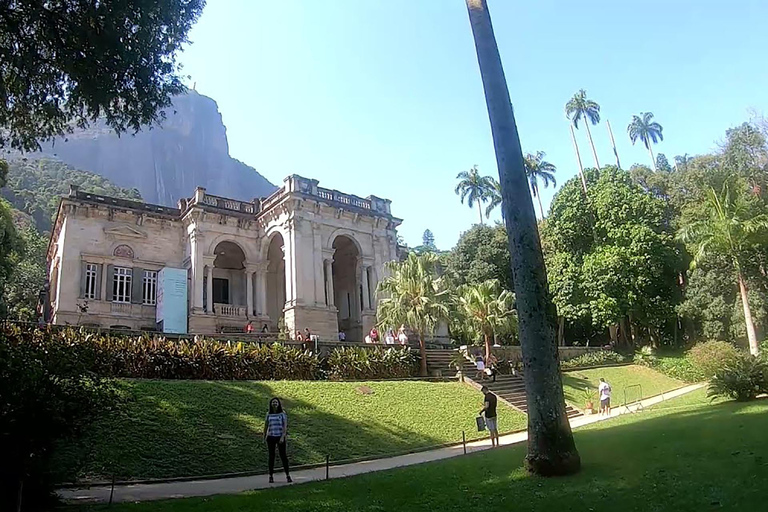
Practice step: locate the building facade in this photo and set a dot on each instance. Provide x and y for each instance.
(307, 255)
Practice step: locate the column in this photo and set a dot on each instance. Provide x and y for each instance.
(366, 291)
(261, 290)
(196, 260)
(328, 263)
(249, 290)
(209, 292)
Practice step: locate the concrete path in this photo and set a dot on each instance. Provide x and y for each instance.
(159, 491)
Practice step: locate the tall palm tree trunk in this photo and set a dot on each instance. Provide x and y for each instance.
(591, 143)
(653, 158)
(613, 143)
(551, 449)
(578, 159)
(754, 348)
(538, 198)
(480, 211)
(423, 354)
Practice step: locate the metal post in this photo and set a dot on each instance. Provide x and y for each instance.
(327, 466)
(464, 441)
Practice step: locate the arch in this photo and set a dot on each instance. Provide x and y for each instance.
(347, 289)
(123, 251)
(348, 233)
(272, 231)
(229, 255)
(226, 238)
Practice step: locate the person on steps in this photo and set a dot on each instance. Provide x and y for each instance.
(489, 410)
(275, 431)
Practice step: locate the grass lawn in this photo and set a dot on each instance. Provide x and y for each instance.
(193, 428)
(620, 378)
(686, 455)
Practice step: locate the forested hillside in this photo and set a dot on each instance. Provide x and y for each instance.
(34, 187)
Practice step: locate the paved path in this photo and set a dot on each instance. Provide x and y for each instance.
(159, 491)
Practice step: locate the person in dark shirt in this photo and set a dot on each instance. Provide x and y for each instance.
(489, 410)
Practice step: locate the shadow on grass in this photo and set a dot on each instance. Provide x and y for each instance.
(713, 457)
(203, 428)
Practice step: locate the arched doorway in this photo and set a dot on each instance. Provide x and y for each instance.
(347, 288)
(229, 283)
(275, 280)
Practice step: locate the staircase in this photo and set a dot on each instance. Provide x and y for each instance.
(509, 388)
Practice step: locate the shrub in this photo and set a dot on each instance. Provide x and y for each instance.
(357, 363)
(679, 368)
(743, 378)
(710, 356)
(49, 395)
(596, 358)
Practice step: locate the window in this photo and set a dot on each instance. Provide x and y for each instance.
(91, 276)
(149, 294)
(121, 285)
(220, 291)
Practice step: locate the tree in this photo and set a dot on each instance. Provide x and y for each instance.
(662, 164)
(428, 240)
(481, 254)
(580, 107)
(494, 198)
(733, 226)
(67, 64)
(551, 449)
(642, 127)
(487, 307)
(21, 291)
(413, 295)
(474, 188)
(11, 247)
(536, 168)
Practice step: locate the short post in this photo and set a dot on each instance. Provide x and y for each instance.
(327, 466)
(464, 441)
(112, 490)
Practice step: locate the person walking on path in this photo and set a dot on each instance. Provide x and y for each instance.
(489, 410)
(605, 397)
(275, 431)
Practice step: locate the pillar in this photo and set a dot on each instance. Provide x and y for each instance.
(261, 290)
(366, 289)
(329, 281)
(249, 291)
(209, 292)
(196, 260)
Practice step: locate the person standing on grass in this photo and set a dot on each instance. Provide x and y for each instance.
(275, 431)
(605, 397)
(489, 410)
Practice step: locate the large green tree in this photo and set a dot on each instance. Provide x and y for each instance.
(413, 295)
(11, 249)
(482, 253)
(644, 128)
(475, 188)
(21, 291)
(537, 170)
(734, 226)
(551, 449)
(68, 63)
(579, 108)
(487, 307)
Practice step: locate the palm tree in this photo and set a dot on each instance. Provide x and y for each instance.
(536, 168)
(731, 228)
(551, 449)
(486, 307)
(474, 188)
(494, 198)
(647, 131)
(413, 295)
(580, 107)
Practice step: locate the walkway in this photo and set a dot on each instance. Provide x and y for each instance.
(159, 491)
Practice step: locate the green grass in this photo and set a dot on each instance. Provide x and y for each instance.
(620, 378)
(193, 428)
(684, 456)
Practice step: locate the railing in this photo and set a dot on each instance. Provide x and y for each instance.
(345, 199)
(229, 204)
(230, 310)
(273, 199)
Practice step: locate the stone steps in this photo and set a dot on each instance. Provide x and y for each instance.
(510, 388)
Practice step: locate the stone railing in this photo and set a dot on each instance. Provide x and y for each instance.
(273, 199)
(230, 310)
(76, 193)
(308, 187)
(345, 199)
(224, 203)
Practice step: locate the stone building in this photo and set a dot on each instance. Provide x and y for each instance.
(307, 254)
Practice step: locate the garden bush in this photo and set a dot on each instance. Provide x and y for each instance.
(679, 367)
(358, 363)
(596, 358)
(47, 395)
(710, 356)
(743, 378)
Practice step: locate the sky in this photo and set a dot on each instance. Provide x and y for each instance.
(384, 97)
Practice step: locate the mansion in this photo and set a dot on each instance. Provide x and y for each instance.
(307, 255)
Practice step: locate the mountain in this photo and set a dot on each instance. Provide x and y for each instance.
(34, 186)
(165, 163)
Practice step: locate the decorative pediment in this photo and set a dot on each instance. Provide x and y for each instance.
(125, 232)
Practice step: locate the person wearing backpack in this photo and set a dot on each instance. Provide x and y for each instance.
(605, 397)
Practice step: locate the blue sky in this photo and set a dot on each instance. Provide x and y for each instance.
(384, 97)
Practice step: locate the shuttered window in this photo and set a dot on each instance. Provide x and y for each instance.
(149, 295)
(91, 281)
(121, 284)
